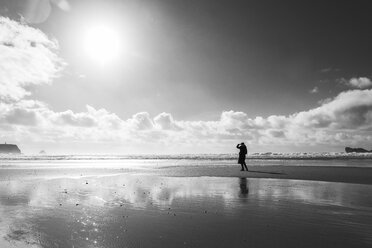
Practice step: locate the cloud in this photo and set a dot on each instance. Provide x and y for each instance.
(74, 119)
(165, 121)
(350, 109)
(141, 121)
(314, 90)
(361, 83)
(345, 118)
(329, 69)
(277, 133)
(27, 58)
(21, 116)
(357, 83)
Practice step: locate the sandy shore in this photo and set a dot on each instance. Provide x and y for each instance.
(314, 173)
(131, 209)
(181, 203)
(358, 175)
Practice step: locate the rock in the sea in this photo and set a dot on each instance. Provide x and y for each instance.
(9, 148)
(357, 150)
(42, 152)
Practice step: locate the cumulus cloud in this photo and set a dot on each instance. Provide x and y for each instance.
(27, 57)
(74, 119)
(142, 121)
(345, 118)
(21, 116)
(350, 110)
(314, 90)
(342, 118)
(357, 83)
(165, 121)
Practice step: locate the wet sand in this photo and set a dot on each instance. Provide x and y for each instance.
(314, 173)
(75, 169)
(84, 207)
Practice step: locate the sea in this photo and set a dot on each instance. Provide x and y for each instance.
(156, 160)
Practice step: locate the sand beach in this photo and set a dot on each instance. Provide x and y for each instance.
(154, 204)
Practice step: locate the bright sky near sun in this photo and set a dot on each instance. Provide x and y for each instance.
(101, 44)
(175, 76)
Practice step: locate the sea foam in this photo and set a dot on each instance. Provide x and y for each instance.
(232, 156)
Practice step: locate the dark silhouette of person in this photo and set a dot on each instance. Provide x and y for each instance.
(243, 187)
(243, 151)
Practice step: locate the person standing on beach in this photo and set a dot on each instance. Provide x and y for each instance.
(243, 151)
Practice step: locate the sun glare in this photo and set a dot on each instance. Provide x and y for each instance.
(102, 44)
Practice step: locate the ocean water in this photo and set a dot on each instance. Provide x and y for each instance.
(217, 157)
(215, 160)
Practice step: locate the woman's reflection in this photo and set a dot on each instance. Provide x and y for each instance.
(243, 187)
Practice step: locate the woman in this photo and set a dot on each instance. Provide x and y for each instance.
(242, 153)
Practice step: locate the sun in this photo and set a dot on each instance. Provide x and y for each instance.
(101, 44)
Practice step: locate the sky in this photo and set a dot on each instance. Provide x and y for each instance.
(176, 76)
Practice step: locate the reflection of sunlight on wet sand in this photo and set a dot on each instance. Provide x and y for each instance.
(92, 210)
(139, 191)
(14, 231)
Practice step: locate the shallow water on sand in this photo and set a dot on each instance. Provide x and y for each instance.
(140, 163)
(151, 211)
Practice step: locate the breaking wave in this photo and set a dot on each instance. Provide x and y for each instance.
(258, 156)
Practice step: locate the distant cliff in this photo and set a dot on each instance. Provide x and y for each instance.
(357, 150)
(8, 148)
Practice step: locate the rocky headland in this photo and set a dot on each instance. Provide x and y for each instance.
(356, 150)
(9, 148)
